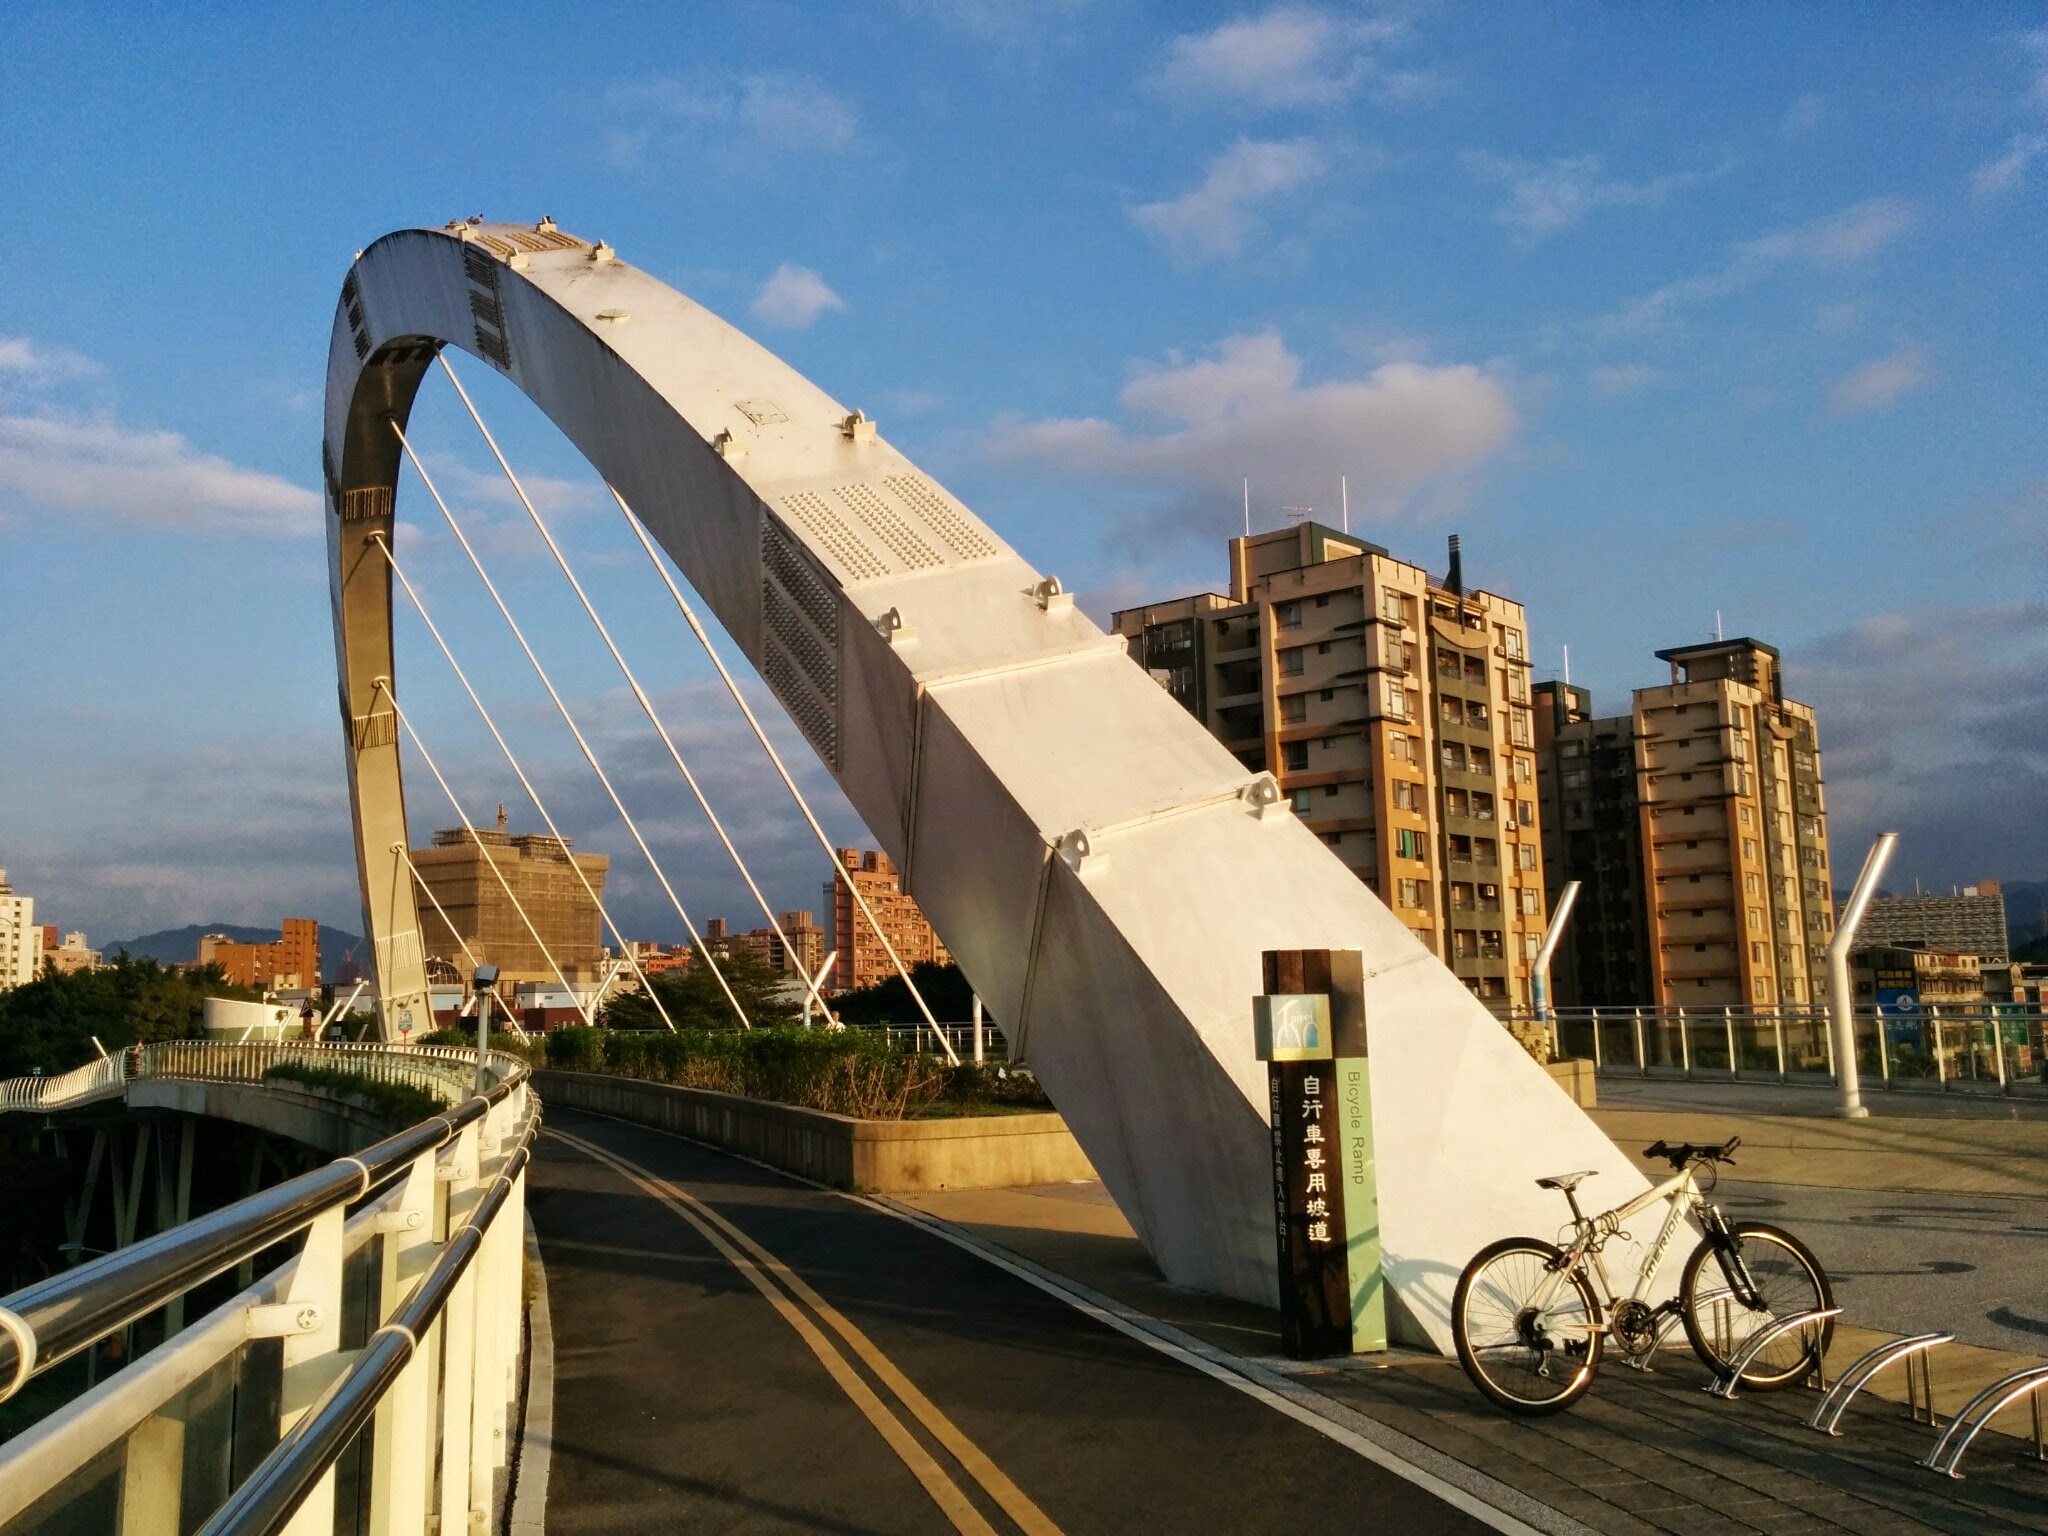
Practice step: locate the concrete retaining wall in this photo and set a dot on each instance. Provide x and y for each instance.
(889, 1156)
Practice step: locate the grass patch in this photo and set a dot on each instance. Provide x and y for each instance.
(398, 1103)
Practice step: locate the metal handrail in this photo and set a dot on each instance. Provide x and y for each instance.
(2001, 1394)
(1724, 1385)
(52, 1320)
(1854, 1379)
(271, 1495)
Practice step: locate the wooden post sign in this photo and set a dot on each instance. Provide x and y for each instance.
(1310, 1028)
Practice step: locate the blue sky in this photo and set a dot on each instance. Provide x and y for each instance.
(1666, 309)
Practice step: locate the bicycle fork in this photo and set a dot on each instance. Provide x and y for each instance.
(1728, 1253)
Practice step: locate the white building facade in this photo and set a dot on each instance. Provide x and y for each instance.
(21, 941)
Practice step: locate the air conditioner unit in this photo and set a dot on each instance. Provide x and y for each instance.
(1489, 891)
(1511, 824)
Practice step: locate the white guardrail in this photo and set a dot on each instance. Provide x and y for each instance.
(1989, 1047)
(401, 1315)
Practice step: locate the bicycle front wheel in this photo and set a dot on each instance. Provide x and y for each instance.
(1728, 1293)
(1528, 1334)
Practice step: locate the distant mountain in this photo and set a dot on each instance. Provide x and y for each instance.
(180, 946)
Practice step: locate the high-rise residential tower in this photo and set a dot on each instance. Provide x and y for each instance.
(1394, 709)
(457, 869)
(1730, 836)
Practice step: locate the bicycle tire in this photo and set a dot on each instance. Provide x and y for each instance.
(1789, 1279)
(1493, 1295)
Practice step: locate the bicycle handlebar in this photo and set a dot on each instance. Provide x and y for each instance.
(1686, 1152)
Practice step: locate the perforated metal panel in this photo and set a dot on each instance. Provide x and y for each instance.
(816, 517)
(800, 639)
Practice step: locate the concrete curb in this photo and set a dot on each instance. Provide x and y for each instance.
(537, 1428)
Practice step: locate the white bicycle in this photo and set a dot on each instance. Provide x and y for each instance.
(1531, 1318)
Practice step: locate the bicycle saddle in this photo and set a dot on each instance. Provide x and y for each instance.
(1567, 1181)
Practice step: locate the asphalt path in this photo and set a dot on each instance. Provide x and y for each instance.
(739, 1351)
(1974, 1265)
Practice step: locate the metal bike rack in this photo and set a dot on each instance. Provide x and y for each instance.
(1763, 1338)
(1981, 1410)
(1857, 1376)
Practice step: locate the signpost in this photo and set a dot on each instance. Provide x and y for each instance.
(1311, 1032)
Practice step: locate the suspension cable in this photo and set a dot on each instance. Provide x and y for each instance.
(632, 682)
(789, 783)
(384, 683)
(420, 880)
(525, 783)
(703, 950)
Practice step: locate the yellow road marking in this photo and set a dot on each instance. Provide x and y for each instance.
(945, 1493)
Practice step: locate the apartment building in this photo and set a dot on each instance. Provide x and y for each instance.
(467, 877)
(21, 941)
(800, 956)
(1730, 835)
(1971, 919)
(291, 960)
(1394, 710)
(862, 960)
(1592, 833)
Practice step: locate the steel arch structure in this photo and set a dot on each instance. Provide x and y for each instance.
(1105, 872)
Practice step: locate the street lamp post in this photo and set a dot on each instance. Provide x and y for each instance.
(1841, 1000)
(481, 981)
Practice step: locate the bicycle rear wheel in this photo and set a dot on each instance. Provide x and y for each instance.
(1787, 1280)
(1528, 1336)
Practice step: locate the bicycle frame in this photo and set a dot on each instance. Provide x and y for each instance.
(1591, 1234)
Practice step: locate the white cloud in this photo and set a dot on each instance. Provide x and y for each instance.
(153, 480)
(1217, 218)
(1837, 240)
(1553, 195)
(2010, 168)
(650, 119)
(1201, 426)
(32, 363)
(793, 297)
(1837, 319)
(1878, 385)
(1292, 56)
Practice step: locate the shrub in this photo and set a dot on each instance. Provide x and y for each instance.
(399, 1104)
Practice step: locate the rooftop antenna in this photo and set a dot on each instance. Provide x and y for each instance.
(1298, 514)
(1718, 636)
(1567, 666)
(1344, 491)
(1247, 507)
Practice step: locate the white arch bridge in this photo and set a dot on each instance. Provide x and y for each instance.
(1105, 873)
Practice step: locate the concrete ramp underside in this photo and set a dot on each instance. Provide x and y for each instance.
(1105, 872)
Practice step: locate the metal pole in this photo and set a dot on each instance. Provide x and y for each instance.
(483, 1039)
(1539, 971)
(1684, 1044)
(977, 1030)
(1728, 1029)
(1778, 1030)
(1596, 1041)
(1998, 1046)
(1642, 1066)
(1841, 1000)
(1940, 1050)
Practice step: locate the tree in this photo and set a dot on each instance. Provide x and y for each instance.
(695, 1000)
(943, 988)
(51, 1022)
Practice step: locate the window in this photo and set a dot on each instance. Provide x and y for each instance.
(1290, 662)
(1525, 771)
(1749, 848)
(1743, 812)
(1409, 893)
(1301, 800)
(1397, 701)
(1518, 728)
(1524, 812)
(1333, 838)
(1751, 884)
(1323, 601)
(1330, 789)
(1756, 919)
(1454, 756)
(1452, 710)
(1574, 778)
(1294, 708)
(1323, 649)
(1401, 746)
(1287, 615)
(1525, 855)
(1407, 794)
(1390, 604)
(1757, 952)
(1294, 756)
(1408, 844)
(1327, 694)
(1511, 641)
(1482, 760)
(1531, 942)
(1531, 904)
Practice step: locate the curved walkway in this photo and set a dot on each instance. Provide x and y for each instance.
(739, 1351)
